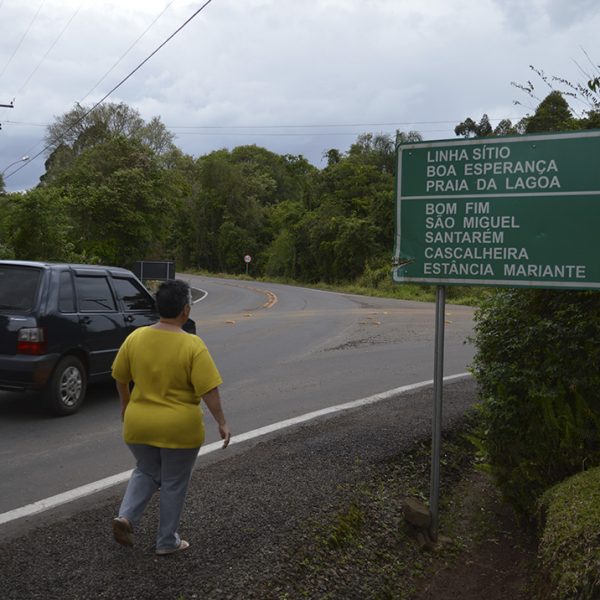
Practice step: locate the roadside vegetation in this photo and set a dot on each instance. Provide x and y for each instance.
(117, 190)
(364, 549)
(538, 431)
(570, 547)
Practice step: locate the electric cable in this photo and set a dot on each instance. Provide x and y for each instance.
(22, 38)
(50, 48)
(47, 147)
(307, 126)
(305, 134)
(314, 125)
(127, 51)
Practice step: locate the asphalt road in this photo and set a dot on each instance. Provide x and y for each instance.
(282, 351)
(257, 516)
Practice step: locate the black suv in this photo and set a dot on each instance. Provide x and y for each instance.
(61, 326)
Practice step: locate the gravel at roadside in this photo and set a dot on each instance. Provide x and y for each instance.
(245, 516)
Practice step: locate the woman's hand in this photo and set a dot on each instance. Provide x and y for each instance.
(225, 434)
(213, 402)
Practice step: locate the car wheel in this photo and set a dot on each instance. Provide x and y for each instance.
(66, 389)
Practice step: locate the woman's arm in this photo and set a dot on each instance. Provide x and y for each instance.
(213, 402)
(123, 391)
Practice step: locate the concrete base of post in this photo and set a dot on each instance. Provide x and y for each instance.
(417, 518)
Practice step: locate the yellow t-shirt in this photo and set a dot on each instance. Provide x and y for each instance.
(171, 372)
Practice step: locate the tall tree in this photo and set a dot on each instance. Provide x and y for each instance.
(36, 225)
(469, 128)
(349, 225)
(120, 200)
(82, 128)
(552, 114)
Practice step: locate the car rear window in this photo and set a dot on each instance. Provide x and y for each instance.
(18, 287)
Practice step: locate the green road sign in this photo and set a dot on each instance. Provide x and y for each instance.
(510, 211)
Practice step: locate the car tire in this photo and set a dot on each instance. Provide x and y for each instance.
(67, 386)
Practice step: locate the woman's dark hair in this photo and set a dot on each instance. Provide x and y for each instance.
(171, 297)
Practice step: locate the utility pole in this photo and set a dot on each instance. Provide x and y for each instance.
(11, 105)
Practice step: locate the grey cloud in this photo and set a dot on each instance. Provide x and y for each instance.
(558, 14)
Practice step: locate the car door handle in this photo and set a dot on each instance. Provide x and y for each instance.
(85, 320)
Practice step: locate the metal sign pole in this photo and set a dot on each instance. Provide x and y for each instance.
(438, 388)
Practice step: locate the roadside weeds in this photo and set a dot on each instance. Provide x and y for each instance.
(365, 550)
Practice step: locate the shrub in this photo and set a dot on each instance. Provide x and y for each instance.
(569, 555)
(537, 362)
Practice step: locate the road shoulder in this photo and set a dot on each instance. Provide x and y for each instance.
(250, 517)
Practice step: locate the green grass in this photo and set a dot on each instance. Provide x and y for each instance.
(347, 527)
(363, 548)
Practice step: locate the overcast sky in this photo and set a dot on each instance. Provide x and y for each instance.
(294, 76)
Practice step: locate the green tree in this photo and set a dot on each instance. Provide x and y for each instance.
(82, 128)
(6, 208)
(121, 202)
(552, 114)
(349, 224)
(37, 226)
(236, 191)
(469, 128)
(281, 257)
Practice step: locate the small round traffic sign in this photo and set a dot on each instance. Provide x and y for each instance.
(247, 258)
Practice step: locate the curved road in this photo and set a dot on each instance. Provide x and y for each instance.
(282, 351)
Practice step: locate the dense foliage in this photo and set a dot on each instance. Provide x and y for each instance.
(537, 361)
(569, 556)
(117, 190)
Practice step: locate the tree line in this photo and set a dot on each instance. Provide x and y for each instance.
(116, 189)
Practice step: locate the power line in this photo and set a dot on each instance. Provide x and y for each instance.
(295, 126)
(305, 134)
(22, 38)
(47, 147)
(127, 51)
(200, 129)
(27, 123)
(315, 125)
(50, 48)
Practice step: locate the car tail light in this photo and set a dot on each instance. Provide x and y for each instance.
(31, 340)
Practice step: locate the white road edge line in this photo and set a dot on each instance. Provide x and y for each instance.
(107, 482)
(202, 298)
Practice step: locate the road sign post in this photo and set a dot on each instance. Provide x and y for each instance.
(519, 211)
(436, 429)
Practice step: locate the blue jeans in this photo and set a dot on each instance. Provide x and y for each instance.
(167, 469)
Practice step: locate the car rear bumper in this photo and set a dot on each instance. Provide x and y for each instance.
(23, 372)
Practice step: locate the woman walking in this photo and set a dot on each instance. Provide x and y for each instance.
(162, 418)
